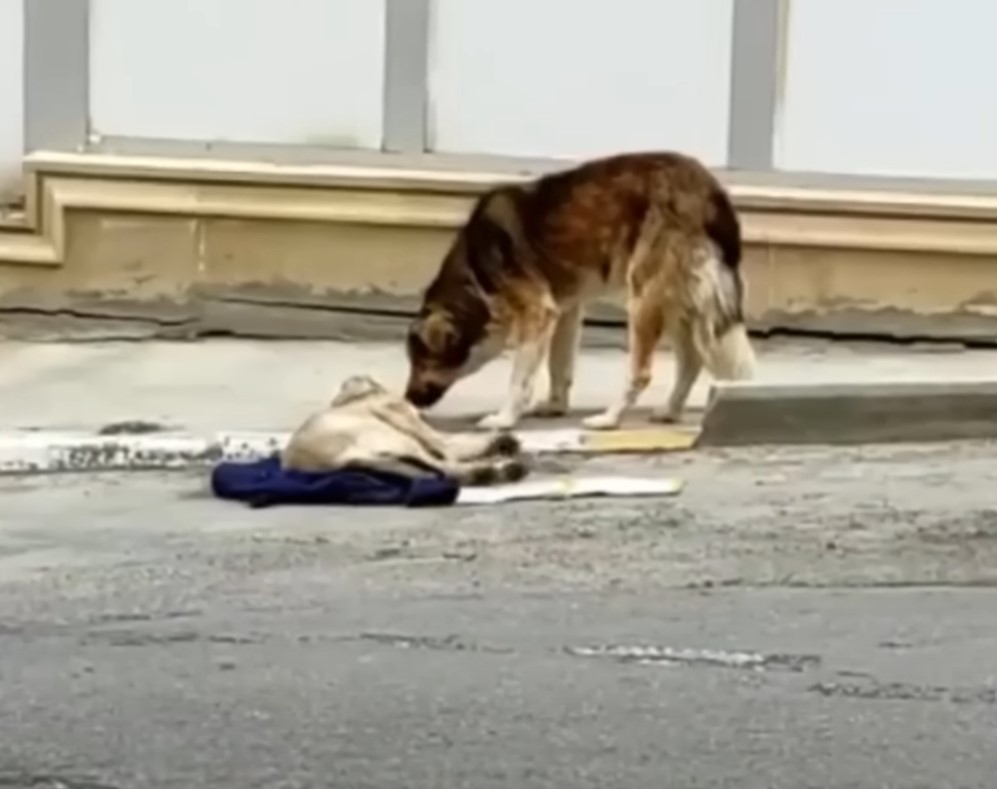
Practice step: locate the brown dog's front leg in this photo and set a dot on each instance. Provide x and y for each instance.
(525, 369)
(561, 362)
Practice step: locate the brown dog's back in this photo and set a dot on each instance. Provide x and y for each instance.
(586, 222)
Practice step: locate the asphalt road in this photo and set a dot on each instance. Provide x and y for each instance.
(793, 619)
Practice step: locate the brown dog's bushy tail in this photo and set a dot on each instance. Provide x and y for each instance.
(724, 228)
(722, 339)
(720, 334)
(732, 358)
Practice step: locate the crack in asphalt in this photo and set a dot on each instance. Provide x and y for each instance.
(133, 639)
(449, 643)
(124, 618)
(865, 687)
(714, 658)
(32, 781)
(875, 690)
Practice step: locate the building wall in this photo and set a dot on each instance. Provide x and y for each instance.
(569, 79)
(890, 88)
(239, 70)
(307, 153)
(11, 93)
(895, 88)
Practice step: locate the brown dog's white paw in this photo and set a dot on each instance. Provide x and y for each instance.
(601, 422)
(665, 416)
(548, 409)
(497, 421)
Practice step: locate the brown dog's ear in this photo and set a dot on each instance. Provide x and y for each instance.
(437, 331)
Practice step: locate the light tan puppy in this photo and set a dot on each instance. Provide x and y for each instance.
(365, 426)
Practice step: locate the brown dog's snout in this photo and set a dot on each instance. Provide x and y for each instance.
(424, 394)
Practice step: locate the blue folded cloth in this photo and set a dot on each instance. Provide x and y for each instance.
(263, 483)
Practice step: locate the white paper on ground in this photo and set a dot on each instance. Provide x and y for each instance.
(571, 488)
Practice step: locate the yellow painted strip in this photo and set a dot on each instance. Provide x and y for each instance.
(673, 439)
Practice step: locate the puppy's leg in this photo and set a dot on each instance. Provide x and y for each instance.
(688, 366)
(489, 471)
(409, 466)
(474, 446)
(407, 420)
(445, 448)
(316, 454)
(403, 454)
(397, 454)
(645, 324)
(538, 331)
(561, 362)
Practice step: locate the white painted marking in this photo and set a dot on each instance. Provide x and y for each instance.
(571, 488)
(47, 451)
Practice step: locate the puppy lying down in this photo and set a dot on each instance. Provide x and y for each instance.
(367, 427)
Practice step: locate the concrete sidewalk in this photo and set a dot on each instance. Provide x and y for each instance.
(262, 386)
(197, 391)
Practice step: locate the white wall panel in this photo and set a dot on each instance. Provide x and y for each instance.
(282, 71)
(11, 92)
(891, 87)
(575, 78)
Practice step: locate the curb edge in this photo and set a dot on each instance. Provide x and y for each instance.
(39, 452)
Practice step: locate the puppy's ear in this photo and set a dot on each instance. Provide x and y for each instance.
(355, 387)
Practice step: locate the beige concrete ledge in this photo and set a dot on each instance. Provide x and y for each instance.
(171, 245)
(748, 414)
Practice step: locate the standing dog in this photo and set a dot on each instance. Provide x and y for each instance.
(522, 268)
(365, 426)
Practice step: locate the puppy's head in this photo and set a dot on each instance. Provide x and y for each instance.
(442, 350)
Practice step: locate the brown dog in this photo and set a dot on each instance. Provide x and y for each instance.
(365, 426)
(522, 268)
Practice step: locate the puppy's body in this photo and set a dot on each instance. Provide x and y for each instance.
(657, 225)
(367, 427)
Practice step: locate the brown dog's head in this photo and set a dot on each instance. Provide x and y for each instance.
(458, 329)
(442, 349)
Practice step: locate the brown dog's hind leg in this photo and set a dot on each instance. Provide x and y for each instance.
(688, 366)
(646, 320)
